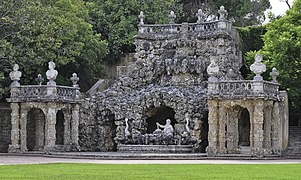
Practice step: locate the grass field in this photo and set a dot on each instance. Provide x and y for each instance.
(136, 171)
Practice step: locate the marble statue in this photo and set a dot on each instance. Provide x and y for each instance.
(15, 75)
(222, 13)
(126, 131)
(51, 74)
(258, 67)
(187, 123)
(167, 131)
(212, 69)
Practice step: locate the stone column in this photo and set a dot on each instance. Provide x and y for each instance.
(267, 125)
(276, 127)
(223, 122)
(67, 128)
(74, 125)
(284, 120)
(213, 116)
(15, 131)
(50, 132)
(232, 131)
(23, 125)
(258, 118)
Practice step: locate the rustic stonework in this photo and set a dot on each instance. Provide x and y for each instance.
(39, 112)
(188, 73)
(5, 127)
(170, 73)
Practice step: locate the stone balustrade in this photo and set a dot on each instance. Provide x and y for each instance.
(41, 93)
(205, 28)
(243, 88)
(200, 28)
(50, 92)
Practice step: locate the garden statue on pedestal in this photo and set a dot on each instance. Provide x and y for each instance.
(51, 74)
(258, 67)
(15, 76)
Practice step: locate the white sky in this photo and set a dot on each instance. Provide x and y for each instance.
(279, 8)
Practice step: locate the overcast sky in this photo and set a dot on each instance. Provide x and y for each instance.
(279, 8)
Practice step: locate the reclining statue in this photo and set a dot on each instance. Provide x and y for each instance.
(167, 132)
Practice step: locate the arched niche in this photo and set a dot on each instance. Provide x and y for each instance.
(244, 127)
(59, 128)
(160, 115)
(35, 130)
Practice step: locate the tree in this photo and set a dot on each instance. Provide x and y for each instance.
(117, 21)
(251, 42)
(243, 12)
(282, 49)
(39, 31)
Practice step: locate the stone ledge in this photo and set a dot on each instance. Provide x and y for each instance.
(155, 148)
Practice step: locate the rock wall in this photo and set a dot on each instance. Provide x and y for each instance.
(96, 128)
(5, 126)
(170, 72)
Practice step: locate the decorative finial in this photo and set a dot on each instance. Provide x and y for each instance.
(141, 17)
(15, 76)
(258, 67)
(74, 79)
(201, 16)
(172, 17)
(222, 13)
(274, 74)
(39, 79)
(51, 74)
(212, 69)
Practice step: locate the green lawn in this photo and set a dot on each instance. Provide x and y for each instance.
(138, 171)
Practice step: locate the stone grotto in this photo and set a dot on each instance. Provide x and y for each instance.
(184, 93)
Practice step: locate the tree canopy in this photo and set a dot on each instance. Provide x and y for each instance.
(242, 12)
(282, 49)
(117, 21)
(79, 34)
(38, 31)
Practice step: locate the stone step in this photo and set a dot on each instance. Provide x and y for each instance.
(142, 156)
(245, 150)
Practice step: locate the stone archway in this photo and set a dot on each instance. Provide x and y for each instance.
(59, 128)
(160, 115)
(244, 127)
(35, 130)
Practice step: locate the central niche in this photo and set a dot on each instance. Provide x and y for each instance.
(159, 114)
